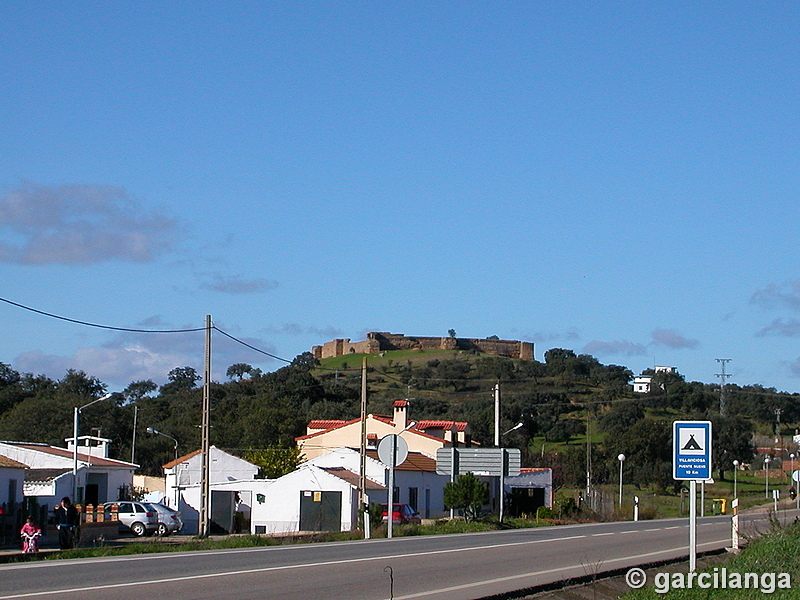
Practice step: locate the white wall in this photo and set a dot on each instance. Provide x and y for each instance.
(223, 468)
(430, 486)
(7, 475)
(280, 511)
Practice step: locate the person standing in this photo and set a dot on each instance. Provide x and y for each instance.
(66, 523)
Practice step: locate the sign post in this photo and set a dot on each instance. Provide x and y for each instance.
(393, 451)
(691, 460)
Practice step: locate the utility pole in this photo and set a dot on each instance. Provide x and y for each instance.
(723, 377)
(133, 441)
(588, 457)
(205, 487)
(362, 475)
(497, 415)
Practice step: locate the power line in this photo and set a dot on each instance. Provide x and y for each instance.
(97, 325)
(243, 343)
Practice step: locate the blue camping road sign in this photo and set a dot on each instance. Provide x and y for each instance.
(691, 443)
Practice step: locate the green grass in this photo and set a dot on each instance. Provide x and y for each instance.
(776, 552)
(389, 358)
(165, 545)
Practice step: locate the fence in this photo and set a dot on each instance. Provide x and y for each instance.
(95, 521)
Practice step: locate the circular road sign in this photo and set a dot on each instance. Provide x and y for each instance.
(796, 476)
(385, 450)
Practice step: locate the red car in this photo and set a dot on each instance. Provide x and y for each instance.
(402, 514)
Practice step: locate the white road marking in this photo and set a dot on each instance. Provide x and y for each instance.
(281, 568)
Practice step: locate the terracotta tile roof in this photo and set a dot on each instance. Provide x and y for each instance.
(446, 425)
(316, 433)
(416, 461)
(340, 424)
(400, 403)
(352, 478)
(44, 475)
(325, 423)
(64, 453)
(10, 462)
(180, 459)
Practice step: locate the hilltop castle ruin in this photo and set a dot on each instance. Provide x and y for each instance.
(382, 341)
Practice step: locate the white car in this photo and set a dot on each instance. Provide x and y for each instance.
(169, 520)
(136, 516)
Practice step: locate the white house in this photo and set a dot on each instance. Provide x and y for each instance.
(49, 477)
(12, 479)
(321, 495)
(641, 384)
(311, 498)
(422, 436)
(416, 481)
(183, 477)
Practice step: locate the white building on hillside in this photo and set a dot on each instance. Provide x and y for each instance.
(641, 384)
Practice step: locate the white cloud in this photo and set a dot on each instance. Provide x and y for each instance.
(294, 329)
(237, 284)
(781, 328)
(71, 224)
(778, 295)
(672, 339)
(597, 348)
(134, 356)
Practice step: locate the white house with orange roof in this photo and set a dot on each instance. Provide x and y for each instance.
(49, 476)
(425, 436)
(182, 486)
(416, 481)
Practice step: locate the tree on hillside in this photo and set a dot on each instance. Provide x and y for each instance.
(733, 440)
(180, 378)
(136, 390)
(274, 462)
(238, 371)
(647, 445)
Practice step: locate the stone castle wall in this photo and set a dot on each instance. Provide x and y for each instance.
(385, 341)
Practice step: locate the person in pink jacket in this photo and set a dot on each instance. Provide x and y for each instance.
(30, 536)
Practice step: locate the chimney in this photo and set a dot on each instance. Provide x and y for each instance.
(400, 414)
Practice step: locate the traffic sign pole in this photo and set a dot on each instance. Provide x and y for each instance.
(692, 525)
(691, 444)
(392, 451)
(390, 507)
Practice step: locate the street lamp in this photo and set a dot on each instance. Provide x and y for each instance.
(153, 431)
(621, 459)
(766, 477)
(75, 419)
(735, 477)
(514, 428)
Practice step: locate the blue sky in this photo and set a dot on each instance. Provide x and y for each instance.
(618, 178)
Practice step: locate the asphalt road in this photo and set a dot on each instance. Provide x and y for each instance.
(455, 567)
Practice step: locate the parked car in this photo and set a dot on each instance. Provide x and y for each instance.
(169, 520)
(135, 516)
(402, 514)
